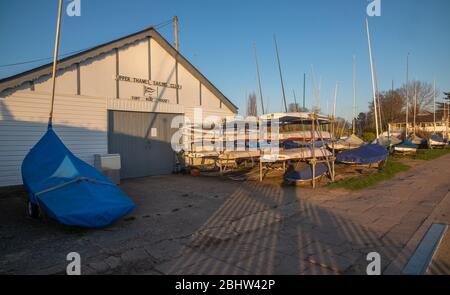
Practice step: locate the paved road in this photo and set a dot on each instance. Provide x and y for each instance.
(205, 225)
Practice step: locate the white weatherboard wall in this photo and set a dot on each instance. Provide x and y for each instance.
(80, 121)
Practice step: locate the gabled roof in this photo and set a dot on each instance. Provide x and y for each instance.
(34, 74)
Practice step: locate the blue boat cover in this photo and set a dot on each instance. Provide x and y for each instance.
(306, 173)
(407, 144)
(366, 154)
(68, 189)
(289, 145)
(437, 138)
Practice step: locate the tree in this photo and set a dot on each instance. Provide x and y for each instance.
(252, 108)
(295, 107)
(425, 96)
(391, 107)
(361, 122)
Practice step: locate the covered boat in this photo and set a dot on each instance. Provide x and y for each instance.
(306, 173)
(69, 190)
(437, 141)
(349, 143)
(387, 141)
(418, 140)
(406, 147)
(365, 155)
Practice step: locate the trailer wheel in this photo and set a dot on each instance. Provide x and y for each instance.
(33, 210)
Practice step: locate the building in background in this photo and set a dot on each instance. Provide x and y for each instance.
(118, 97)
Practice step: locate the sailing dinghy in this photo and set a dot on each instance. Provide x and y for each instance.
(349, 143)
(437, 142)
(406, 147)
(64, 187)
(369, 154)
(305, 175)
(68, 189)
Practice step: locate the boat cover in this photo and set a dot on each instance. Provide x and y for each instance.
(387, 141)
(407, 144)
(289, 145)
(306, 173)
(68, 189)
(348, 143)
(417, 140)
(366, 154)
(437, 139)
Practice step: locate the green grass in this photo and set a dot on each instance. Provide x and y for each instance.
(428, 155)
(393, 167)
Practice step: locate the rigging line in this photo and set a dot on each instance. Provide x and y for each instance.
(158, 26)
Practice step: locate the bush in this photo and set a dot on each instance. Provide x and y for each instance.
(368, 136)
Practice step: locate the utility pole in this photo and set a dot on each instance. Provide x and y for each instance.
(175, 28)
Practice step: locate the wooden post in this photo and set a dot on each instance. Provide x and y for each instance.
(175, 29)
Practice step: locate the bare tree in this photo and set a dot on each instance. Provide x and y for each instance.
(252, 108)
(425, 93)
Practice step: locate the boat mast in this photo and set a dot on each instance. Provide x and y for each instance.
(335, 99)
(373, 79)
(354, 95)
(55, 60)
(281, 75)
(415, 106)
(304, 91)
(259, 80)
(315, 91)
(378, 96)
(295, 101)
(407, 93)
(434, 105)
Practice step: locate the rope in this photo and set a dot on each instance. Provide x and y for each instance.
(78, 179)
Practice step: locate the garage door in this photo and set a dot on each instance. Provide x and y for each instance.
(143, 142)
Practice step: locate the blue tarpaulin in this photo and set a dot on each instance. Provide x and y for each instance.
(407, 144)
(306, 173)
(437, 138)
(366, 154)
(70, 190)
(289, 145)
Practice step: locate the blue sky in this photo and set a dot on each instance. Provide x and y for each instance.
(217, 37)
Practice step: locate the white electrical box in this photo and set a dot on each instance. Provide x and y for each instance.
(109, 165)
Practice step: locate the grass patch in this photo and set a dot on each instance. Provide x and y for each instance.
(393, 167)
(428, 155)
